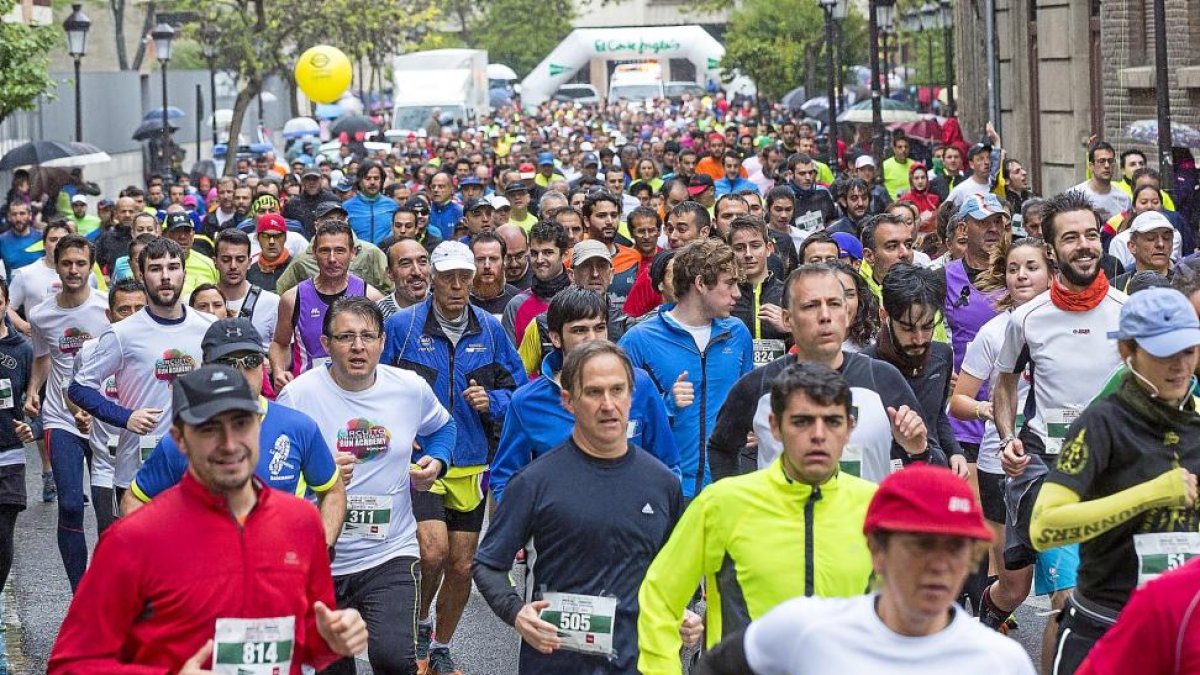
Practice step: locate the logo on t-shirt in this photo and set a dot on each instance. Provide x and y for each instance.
(173, 363)
(364, 439)
(110, 388)
(279, 455)
(72, 339)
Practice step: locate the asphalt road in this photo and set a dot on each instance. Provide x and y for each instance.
(483, 645)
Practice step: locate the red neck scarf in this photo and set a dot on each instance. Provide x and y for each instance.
(269, 267)
(1079, 301)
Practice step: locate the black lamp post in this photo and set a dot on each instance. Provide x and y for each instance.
(840, 9)
(929, 20)
(876, 103)
(831, 131)
(76, 26)
(886, 11)
(163, 34)
(208, 46)
(948, 37)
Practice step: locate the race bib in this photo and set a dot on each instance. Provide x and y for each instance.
(810, 221)
(254, 646)
(1162, 552)
(113, 444)
(584, 622)
(1057, 420)
(147, 443)
(367, 517)
(766, 351)
(6, 394)
(851, 461)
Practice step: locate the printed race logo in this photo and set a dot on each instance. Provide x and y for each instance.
(110, 388)
(364, 439)
(173, 363)
(72, 339)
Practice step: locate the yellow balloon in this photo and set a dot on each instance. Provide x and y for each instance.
(323, 73)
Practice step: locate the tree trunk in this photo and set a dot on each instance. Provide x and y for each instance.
(118, 12)
(289, 83)
(246, 96)
(147, 26)
(810, 70)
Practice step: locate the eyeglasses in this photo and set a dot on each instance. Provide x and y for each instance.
(247, 362)
(349, 338)
(517, 257)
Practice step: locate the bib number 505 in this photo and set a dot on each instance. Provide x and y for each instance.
(575, 621)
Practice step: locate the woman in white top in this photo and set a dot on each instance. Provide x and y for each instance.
(1023, 270)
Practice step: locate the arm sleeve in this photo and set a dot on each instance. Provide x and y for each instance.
(530, 349)
(85, 388)
(727, 658)
(41, 346)
(1010, 348)
(509, 530)
(945, 432)
(320, 587)
(163, 468)
(734, 421)
(669, 584)
(508, 319)
(512, 454)
(316, 461)
(1060, 518)
(895, 392)
(497, 589)
(100, 617)
(657, 435)
(511, 375)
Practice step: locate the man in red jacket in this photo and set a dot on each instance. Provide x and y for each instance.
(219, 573)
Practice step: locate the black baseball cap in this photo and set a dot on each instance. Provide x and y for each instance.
(515, 186)
(477, 203)
(311, 172)
(229, 336)
(325, 208)
(176, 221)
(978, 148)
(202, 394)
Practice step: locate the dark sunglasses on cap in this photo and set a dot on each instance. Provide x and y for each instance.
(247, 362)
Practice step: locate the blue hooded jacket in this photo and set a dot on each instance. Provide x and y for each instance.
(371, 218)
(665, 350)
(415, 342)
(537, 422)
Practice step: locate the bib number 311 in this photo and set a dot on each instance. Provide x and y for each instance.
(584, 622)
(254, 646)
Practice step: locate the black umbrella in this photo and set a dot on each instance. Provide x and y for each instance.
(353, 125)
(39, 152)
(151, 128)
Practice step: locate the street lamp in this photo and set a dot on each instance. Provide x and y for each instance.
(929, 20)
(886, 13)
(873, 52)
(947, 36)
(162, 35)
(840, 9)
(76, 27)
(831, 131)
(208, 47)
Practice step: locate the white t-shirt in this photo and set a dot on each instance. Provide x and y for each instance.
(845, 636)
(701, 334)
(146, 355)
(1112, 203)
(32, 284)
(1073, 358)
(266, 313)
(61, 332)
(109, 465)
(980, 362)
(1119, 248)
(378, 425)
(968, 187)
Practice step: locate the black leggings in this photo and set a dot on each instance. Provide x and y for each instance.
(8, 526)
(104, 501)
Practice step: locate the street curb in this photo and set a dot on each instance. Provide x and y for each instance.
(13, 633)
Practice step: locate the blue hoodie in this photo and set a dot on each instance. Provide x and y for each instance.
(537, 423)
(371, 217)
(665, 350)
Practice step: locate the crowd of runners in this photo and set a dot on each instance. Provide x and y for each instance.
(646, 379)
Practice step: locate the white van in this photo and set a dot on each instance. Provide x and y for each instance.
(636, 83)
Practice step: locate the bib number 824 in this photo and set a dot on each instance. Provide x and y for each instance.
(575, 621)
(260, 652)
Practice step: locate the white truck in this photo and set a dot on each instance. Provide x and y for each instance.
(452, 80)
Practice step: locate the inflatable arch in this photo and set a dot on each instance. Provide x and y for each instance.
(625, 44)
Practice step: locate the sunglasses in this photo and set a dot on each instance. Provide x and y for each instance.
(247, 362)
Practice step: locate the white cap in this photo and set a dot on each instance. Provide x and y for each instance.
(587, 146)
(79, 199)
(1150, 221)
(500, 202)
(452, 255)
(864, 160)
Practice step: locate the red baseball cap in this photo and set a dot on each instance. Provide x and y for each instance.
(270, 222)
(926, 499)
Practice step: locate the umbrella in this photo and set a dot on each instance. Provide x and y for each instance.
(151, 128)
(924, 130)
(328, 111)
(1146, 132)
(89, 154)
(301, 126)
(893, 111)
(794, 99)
(224, 117)
(40, 152)
(499, 71)
(353, 125)
(817, 107)
(173, 113)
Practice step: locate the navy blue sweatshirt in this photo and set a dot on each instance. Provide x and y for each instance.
(16, 364)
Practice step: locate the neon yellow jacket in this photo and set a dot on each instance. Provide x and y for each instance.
(758, 539)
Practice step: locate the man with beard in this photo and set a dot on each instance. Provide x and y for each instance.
(1103, 196)
(602, 216)
(1065, 336)
(548, 244)
(302, 308)
(303, 207)
(517, 270)
(370, 212)
(912, 297)
(59, 327)
(886, 240)
(199, 268)
(854, 195)
(489, 291)
(243, 298)
(408, 268)
(225, 214)
(144, 353)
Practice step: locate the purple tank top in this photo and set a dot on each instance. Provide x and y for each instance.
(966, 310)
(310, 318)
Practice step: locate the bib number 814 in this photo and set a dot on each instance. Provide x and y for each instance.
(575, 621)
(260, 652)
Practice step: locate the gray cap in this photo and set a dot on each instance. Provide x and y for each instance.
(202, 394)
